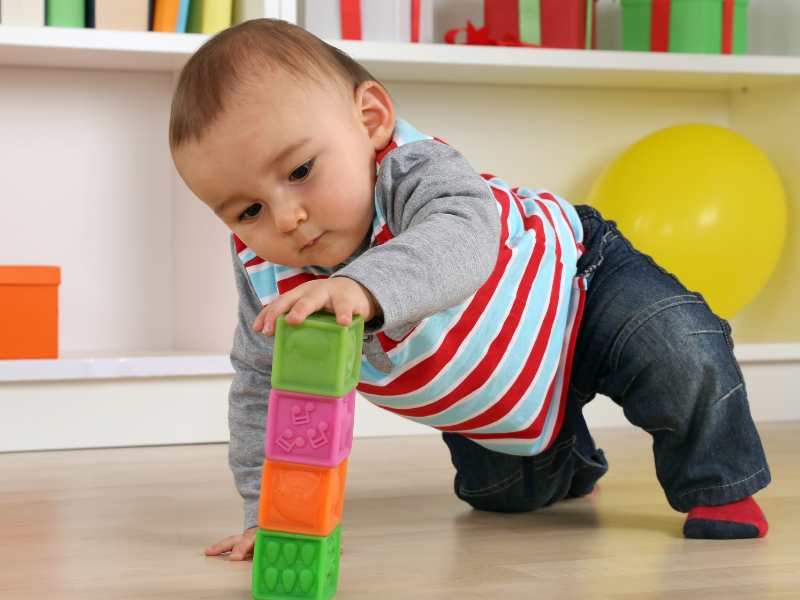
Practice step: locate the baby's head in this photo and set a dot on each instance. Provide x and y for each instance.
(276, 131)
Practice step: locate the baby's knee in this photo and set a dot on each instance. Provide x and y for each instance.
(487, 480)
(506, 497)
(683, 361)
(702, 359)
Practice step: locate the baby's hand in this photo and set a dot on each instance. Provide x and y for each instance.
(339, 295)
(240, 546)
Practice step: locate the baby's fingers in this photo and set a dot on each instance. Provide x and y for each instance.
(241, 550)
(258, 324)
(265, 322)
(221, 546)
(304, 306)
(344, 309)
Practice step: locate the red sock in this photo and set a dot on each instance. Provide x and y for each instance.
(736, 520)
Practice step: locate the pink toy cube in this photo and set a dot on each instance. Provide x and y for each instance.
(308, 429)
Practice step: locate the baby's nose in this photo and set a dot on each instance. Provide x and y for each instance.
(288, 217)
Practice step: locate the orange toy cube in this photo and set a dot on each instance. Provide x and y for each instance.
(298, 498)
(29, 312)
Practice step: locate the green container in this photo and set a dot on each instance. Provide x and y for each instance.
(318, 357)
(695, 26)
(290, 565)
(66, 13)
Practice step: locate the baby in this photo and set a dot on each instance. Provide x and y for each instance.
(493, 314)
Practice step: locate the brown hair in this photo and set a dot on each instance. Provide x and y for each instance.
(243, 54)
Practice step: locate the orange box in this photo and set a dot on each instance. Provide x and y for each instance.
(29, 311)
(298, 498)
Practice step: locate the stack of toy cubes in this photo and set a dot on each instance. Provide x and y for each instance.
(315, 369)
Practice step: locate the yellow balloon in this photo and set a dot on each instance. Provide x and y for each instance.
(706, 204)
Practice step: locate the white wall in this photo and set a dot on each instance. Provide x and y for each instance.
(85, 180)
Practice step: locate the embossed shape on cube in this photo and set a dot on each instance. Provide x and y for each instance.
(309, 429)
(288, 566)
(317, 357)
(299, 498)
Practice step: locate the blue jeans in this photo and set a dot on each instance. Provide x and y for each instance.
(658, 351)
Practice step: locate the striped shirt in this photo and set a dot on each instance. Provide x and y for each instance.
(494, 367)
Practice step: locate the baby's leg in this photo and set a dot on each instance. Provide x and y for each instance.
(668, 361)
(496, 482)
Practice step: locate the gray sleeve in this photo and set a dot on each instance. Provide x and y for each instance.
(251, 358)
(446, 226)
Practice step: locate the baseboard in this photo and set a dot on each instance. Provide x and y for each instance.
(186, 410)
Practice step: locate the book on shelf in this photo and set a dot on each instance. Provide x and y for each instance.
(21, 12)
(183, 16)
(170, 15)
(209, 16)
(165, 15)
(151, 14)
(130, 15)
(244, 10)
(65, 13)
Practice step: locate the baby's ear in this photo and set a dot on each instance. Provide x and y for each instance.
(377, 112)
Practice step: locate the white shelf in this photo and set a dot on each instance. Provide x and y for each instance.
(154, 365)
(150, 51)
(767, 353)
(177, 364)
(96, 48)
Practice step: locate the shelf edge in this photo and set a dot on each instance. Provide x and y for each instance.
(132, 367)
(193, 365)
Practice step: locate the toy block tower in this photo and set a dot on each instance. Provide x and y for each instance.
(315, 369)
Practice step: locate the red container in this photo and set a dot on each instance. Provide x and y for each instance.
(29, 312)
(547, 23)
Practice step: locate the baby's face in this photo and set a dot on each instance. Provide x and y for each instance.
(290, 169)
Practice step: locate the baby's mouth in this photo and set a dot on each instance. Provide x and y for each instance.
(313, 242)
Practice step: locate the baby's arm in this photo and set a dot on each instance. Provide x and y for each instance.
(251, 358)
(447, 230)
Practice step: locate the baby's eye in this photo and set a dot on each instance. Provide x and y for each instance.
(302, 171)
(250, 212)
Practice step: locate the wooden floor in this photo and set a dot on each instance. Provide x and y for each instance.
(132, 523)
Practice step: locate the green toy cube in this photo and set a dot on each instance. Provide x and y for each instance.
(317, 357)
(289, 565)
